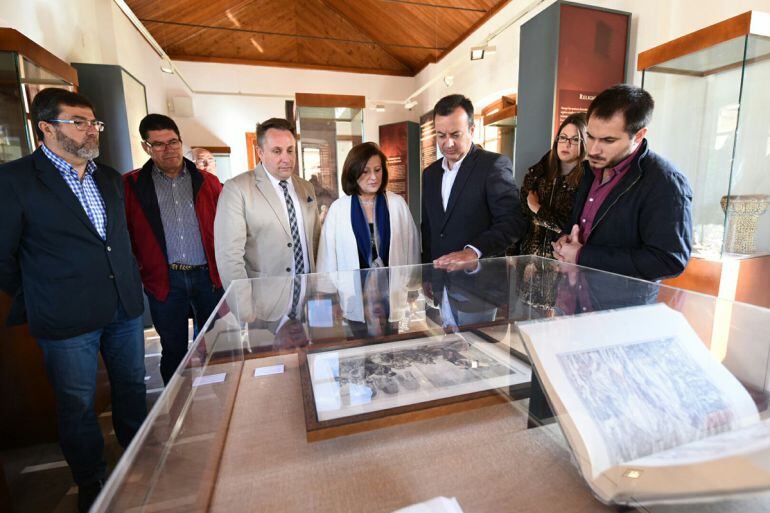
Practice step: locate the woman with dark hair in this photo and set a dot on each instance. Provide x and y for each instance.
(548, 192)
(369, 227)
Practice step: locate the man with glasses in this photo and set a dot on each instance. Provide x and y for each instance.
(170, 207)
(66, 260)
(632, 213)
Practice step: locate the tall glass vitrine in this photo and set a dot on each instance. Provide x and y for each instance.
(328, 126)
(25, 70)
(711, 120)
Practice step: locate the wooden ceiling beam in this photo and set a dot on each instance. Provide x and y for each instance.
(368, 33)
(284, 34)
(297, 65)
(494, 10)
(233, 11)
(436, 6)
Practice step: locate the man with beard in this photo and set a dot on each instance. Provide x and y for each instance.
(632, 213)
(170, 207)
(66, 260)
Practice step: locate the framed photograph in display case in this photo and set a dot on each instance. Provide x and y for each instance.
(363, 387)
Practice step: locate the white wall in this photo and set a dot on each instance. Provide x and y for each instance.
(96, 31)
(653, 22)
(224, 119)
(90, 31)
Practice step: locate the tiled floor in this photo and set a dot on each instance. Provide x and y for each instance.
(38, 477)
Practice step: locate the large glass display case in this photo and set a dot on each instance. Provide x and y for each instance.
(517, 384)
(25, 70)
(328, 126)
(710, 120)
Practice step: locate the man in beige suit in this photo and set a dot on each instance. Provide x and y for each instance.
(267, 219)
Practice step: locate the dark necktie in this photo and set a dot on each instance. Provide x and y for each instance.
(295, 292)
(299, 261)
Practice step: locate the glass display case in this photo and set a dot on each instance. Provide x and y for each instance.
(25, 70)
(516, 384)
(710, 120)
(328, 126)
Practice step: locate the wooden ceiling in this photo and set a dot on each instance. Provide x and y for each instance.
(393, 37)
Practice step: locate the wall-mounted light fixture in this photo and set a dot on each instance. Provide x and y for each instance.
(449, 80)
(166, 66)
(410, 104)
(380, 107)
(479, 52)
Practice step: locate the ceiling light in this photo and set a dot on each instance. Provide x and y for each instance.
(166, 66)
(380, 107)
(449, 80)
(410, 104)
(232, 18)
(256, 45)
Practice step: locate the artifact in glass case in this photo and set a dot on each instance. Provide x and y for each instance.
(742, 217)
(710, 120)
(645, 407)
(229, 432)
(372, 382)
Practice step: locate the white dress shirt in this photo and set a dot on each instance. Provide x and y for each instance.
(447, 181)
(297, 211)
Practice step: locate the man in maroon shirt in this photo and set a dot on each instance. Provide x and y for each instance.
(632, 213)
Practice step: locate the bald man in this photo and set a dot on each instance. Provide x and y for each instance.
(204, 160)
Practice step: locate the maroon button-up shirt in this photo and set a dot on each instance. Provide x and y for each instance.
(599, 192)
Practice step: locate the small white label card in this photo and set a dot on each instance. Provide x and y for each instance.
(268, 370)
(209, 379)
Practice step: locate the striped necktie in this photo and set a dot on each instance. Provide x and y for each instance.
(299, 261)
(295, 292)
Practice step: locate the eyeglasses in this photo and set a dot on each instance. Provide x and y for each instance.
(563, 139)
(173, 144)
(201, 162)
(81, 124)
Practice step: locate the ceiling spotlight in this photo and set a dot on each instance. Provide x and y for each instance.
(166, 66)
(380, 107)
(410, 104)
(449, 80)
(479, 52)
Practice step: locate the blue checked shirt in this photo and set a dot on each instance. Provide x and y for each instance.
(85, 191)
(180, 222)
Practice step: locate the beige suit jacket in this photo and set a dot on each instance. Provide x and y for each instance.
(251, 230)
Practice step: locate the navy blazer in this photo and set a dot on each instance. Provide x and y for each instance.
(64, 279)
(644, 227)
(483, 208)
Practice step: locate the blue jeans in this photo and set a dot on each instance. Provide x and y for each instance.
(71, 365)
(187, 289)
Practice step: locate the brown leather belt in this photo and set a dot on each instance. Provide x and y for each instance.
(185, 267)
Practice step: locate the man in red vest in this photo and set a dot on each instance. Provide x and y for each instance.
(170, 208)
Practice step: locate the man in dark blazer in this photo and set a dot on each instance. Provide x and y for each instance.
(470, 204)
(633, 208)
(66, 260)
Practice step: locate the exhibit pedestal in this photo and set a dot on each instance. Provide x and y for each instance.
(741, 280)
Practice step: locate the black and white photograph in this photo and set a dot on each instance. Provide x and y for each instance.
(377, 377)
